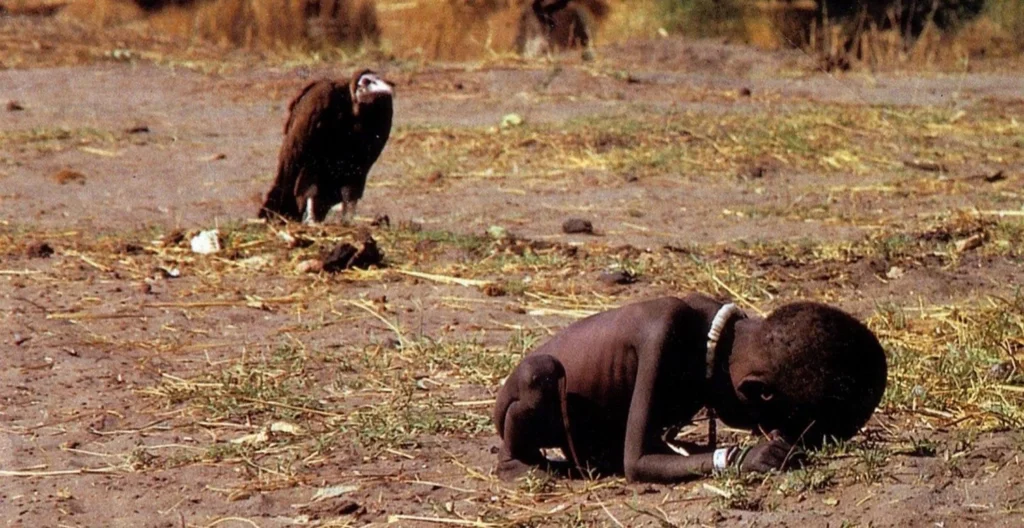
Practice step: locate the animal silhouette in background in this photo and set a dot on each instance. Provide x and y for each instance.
(334, 133)
(549, 25)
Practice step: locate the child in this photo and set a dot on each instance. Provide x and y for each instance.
(607, 387)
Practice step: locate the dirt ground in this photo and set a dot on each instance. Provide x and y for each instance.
(145, 385)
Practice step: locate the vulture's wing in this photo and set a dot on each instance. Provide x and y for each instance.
(318, 120)
(314, 116)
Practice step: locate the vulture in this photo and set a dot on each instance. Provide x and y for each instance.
(334, 133)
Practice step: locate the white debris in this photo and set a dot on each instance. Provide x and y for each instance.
(511, 121)
(206, 242)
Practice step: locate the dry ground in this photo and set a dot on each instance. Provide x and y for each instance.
(144, 385)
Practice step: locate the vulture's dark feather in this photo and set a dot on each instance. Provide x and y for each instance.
(334, 133)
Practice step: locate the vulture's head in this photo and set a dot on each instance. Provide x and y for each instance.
(367, 88)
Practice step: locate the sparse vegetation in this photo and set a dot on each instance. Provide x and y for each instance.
(242, 386)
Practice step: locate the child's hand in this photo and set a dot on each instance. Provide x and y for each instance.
(768, 455)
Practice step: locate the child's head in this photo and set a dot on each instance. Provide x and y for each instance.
(810, 371)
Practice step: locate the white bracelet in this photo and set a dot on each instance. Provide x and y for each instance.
(720, 459)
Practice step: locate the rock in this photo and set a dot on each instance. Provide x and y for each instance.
(368, 255)
(130, 248)
(346, 256)
(381, 220)
(339, 258)
(894, 273)
(14, 106)
(138, 129)
(492, 289)
(434, 177)
(66, 176)
(1001, 371)
(616, 277)
(310, 266)
(757, 171)
(745, 92)
(206, 242)
(578, 225)
(38, 250)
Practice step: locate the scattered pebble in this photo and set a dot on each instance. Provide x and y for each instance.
(38, 250)
(346, 256)
(757, 171)
(494, 290)
(578, 225)
(66, 176)
(130, 248)
(745, 92)
(310, 266)
(435, 177)
(894, 273)
(1001, 371)
(14, 106)
(206, 242)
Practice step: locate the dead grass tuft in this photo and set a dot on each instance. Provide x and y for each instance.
(260, 24)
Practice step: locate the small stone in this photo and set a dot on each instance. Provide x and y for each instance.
(894, 273)
(14, 106)
(578, 225)
(145, 288)
(745, 92)
(1001, 371)
(381, 220)
(39, 250)
(494, 290)
(434, 177)
(130, 248)
(66, 176)
(138, 129)
(346, 256)
(310, 266)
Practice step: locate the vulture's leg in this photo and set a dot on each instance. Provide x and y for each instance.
(308, 217)
(352, 210)
(348, 211)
